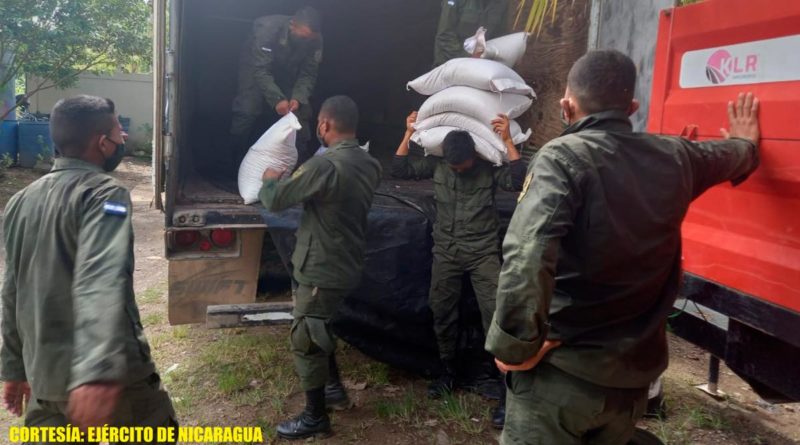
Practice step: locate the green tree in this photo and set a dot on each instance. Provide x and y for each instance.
(54, 41)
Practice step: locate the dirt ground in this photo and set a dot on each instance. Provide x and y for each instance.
(245, 377)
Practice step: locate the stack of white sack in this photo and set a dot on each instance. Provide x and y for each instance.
(274, 150)
(467, 94)
(507, 50)
(488, 75)
(431, 132)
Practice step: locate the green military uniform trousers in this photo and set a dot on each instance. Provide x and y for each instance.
(144, 403)
(449, 266)
(312, 338)
(548, 406)
(249, 104)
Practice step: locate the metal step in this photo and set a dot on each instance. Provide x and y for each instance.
(248, 315)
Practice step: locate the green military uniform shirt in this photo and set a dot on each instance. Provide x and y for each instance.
(282, 68)
(336, 190)
(466, 214)
(69, 313)
(460, 20)
(593, 251)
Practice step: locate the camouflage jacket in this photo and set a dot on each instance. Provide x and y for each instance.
(336, 190)
(593, 251)
(69, 311)
(282, 68)
(466, 214)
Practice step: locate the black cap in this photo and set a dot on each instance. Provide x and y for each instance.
(309, 17)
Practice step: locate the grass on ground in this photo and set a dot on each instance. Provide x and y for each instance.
(694, 417)
(246, 377)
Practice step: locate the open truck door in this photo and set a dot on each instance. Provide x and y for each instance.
(212, 240)
(159, 77)
(741, 245)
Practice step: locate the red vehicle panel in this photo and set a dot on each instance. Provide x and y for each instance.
(748, 237)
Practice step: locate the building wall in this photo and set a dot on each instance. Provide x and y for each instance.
(630, 26)
(132, 94)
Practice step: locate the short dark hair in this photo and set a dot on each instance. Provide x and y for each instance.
(603, 80)
(458, 147)
(76, 120)
(310, 17)
(343, 113)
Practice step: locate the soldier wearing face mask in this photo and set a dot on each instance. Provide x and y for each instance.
(465, 235)
(278, 68)
(336, 190)
(73, 344)
(592, 258)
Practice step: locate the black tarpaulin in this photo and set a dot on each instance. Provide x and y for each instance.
(388, 317)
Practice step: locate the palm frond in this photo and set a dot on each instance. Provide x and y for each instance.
(538, 10)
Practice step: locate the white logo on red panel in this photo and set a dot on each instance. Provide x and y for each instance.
(722, 66)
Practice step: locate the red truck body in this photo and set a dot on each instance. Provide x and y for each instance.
(745, 237)
(741, 245)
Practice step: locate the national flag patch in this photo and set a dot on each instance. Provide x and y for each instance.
(115, 208)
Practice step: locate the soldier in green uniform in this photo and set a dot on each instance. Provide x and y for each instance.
(336, 190)
(466, 233)
(460, 20)
(73, 345)
(593, 259)
(278, 66)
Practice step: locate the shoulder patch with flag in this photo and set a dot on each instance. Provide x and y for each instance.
(300, 170)
(115, 208)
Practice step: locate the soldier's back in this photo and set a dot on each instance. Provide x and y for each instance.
(69, 245)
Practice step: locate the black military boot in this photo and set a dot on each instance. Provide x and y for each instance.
(445, 383)
(656, 408)
(313, 421)
(335, 394)
(499, 413)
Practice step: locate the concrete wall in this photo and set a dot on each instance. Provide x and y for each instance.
(132, 94)
(630, 26)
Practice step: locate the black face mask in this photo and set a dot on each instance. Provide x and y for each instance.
(113, 162)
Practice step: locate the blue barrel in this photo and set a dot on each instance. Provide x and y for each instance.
(8, 142)
(34, 143)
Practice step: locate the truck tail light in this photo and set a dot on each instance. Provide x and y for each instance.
(222, 237)
(186, 238)
(217, 242)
